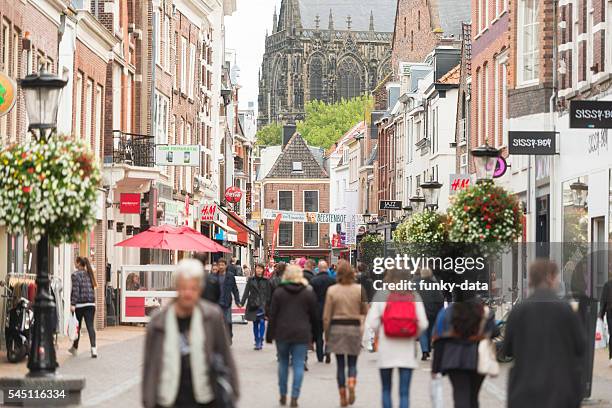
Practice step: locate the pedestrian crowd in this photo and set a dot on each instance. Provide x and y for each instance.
(302, 305)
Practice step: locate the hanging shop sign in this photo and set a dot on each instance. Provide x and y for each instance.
(8, 93)
(177, 155)
(129, 203)
(294, 216)
(458, 182)
(500, 168)
(233, 194)
(591, 114)
(528, 143)
(389, 205)
(248, 200)
(207, 212)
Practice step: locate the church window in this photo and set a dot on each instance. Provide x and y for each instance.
(349, 74)
(315, 78)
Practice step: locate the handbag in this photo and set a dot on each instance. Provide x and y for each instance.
(223, 389)
(72, 327)
(487, 362)
(436, 391)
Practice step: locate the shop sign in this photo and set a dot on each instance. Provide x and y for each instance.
(208, 212)
(294, 216)
(500, 167)
(177, 155)
(389, 205)
(591, 114)
(172, 211)
(528, 143)
(233, 194)
(598, 142)
(8, 93)
(351, 232)
(458, 182)
(248, 200)
(129, 203)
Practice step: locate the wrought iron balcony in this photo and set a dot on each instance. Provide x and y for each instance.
(133, 149)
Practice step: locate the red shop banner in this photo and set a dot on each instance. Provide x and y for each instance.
(208, 212)
(129, 203)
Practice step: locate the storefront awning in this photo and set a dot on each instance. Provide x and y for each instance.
(228, 233)
(243, 234)
(234, 221)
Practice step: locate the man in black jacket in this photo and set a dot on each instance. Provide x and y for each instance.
(309, 266)
(548, 343)
(320, 283)
(228, 287)
(606, 310)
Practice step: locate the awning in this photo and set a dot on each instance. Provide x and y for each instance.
(243, 234)
(229, 234)
(236, 222)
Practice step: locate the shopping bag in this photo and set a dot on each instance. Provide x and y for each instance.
(600, 335)
(437, 400)
(72, 327)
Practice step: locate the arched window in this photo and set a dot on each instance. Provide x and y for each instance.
(315, 78)
(349, 76)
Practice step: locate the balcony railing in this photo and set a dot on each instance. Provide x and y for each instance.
(133, 149)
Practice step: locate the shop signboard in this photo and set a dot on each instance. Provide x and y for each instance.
(295, 216)
(591, 114)
(208, 212)
(8, 93)
(129, 203)
(233, 194)
(458, 182)
(177, 155)
(248, 200)
(389, 205)
(532, 143)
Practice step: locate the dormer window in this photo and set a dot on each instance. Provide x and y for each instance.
(297, 166)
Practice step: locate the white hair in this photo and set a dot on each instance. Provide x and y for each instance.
(189, 269)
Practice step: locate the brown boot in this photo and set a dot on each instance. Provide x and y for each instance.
(294, 402)
(342, 391)
(283, 400)
(352, 381)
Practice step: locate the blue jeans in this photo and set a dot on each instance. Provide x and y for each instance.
(352, 368)
(404, 388)
(425, 341)
(297, 353)
(259, 328)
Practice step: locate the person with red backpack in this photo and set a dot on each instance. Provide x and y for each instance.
(399, 318)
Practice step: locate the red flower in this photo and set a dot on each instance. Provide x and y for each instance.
(26, 189)
(30, 170)
(488, 226)
(24, 155)
(466, 208)
(41, 177)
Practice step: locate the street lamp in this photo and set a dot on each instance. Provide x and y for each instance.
(485, 161)
(407, 211)
(417, 202)
(366, 216)
(580, 192)
(41, 92)
(431, 191)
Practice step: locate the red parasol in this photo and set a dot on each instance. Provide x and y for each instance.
(173, 238)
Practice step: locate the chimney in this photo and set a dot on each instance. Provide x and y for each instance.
(288, 131)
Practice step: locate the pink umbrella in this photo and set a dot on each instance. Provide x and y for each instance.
(173, 238)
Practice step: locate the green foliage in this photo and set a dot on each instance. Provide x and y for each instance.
(370, 247)
(326, 123)
(426, 227)
(270, 135)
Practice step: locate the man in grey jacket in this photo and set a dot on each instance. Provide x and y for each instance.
(184, 341)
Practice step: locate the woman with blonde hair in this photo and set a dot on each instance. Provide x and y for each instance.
(402, 317)
(292, 318)
(342, 315)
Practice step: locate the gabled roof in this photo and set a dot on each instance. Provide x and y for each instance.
(297, 150)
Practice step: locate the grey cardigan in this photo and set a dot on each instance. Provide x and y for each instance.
(216, 341)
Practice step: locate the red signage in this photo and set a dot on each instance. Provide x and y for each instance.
(233, 194)
(129, 203)
(208, 212)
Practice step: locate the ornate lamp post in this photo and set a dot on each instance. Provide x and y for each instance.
(431, 192)
(417, 202)
(580, 192)
(41, 93)
(485, 161)
(407, 212)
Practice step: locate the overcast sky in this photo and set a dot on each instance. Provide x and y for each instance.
(245, 31)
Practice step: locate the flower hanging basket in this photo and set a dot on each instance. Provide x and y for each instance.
(485, 213)
(423, 233)
(48, 187)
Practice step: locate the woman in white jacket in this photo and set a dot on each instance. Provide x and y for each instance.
(395, 352)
